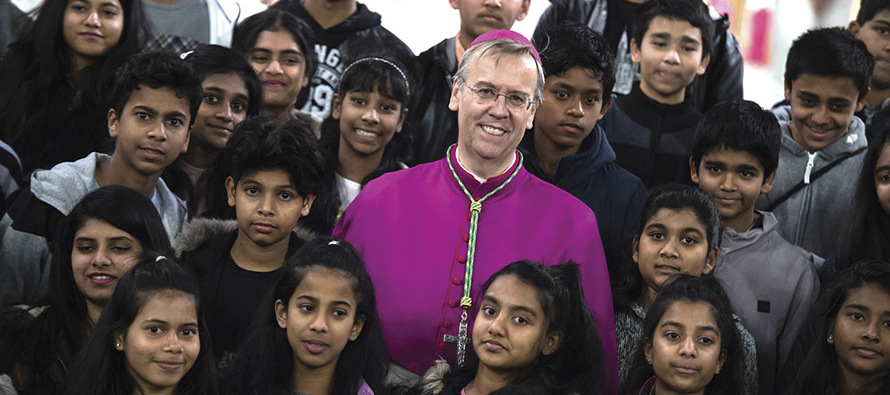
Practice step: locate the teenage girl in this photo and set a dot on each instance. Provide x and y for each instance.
(679, 226)
(103, 237)
(869, 226)
(54, 80)
(231, 93)
(320, 333)
(533, 333)
(689, 342)
(851, 354)
(361, 140)
(151, 338)
(281, 50)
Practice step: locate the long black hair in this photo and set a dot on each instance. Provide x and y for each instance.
(63, 328)
(869, 227)
(101, 369)
(264, 362)
(37, 90)
(577, 364)
(820, 373)
(689, 288)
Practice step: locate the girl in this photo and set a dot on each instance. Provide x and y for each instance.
(54, 80)
(533, 334)
(320, 333)
(232, 92)
(103, 237)
(869, 227)
(689, 342)
(677, 235)
(852, 352)
(150, 339)
(361, 140)
(280, 48)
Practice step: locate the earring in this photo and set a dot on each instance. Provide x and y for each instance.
(117, 345)
(718, 371)
(830, 338)
(649, 360)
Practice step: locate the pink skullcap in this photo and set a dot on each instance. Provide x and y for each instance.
(510, 35)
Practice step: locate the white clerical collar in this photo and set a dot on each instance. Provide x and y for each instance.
(480, 179)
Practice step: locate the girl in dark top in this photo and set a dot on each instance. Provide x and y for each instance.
(318, 331)
(102, 238)
(689, 342)
(151, 338)
(533, 334)
(851, 353)
(55, 80)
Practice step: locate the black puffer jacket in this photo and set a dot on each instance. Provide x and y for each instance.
(434, 125)
(722, 80)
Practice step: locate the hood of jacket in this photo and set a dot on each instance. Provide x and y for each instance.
(853, 140)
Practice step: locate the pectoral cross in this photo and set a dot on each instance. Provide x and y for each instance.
(461, 339)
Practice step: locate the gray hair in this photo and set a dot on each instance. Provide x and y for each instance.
(499, 48)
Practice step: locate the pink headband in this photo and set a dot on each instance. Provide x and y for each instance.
(509, 35)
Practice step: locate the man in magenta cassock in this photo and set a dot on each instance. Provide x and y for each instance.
(413, 228)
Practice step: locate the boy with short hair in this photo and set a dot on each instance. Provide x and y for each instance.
(871, 27)
(568, 149)
(652, 128)
(155, 99)
(274, 174)
(771, 283)
(823, 144)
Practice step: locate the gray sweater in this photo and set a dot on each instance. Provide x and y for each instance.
(25, 257)
(809, 218)
(772, 285)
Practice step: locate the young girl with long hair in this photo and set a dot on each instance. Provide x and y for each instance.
(689, 342)
(362, 138)
(103, 237)
(533, 333)
(54, 81)
(679, 228)
(868, 228)
(320, 333)
(281, 50)
(851, 353)
(151, 338)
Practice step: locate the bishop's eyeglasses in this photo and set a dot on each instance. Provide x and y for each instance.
(487, 94)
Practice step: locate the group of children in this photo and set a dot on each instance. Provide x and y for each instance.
(739, 285)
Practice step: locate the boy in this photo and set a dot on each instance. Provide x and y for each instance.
(652, 128)
(871, 27)
(569, 150)
(434, 125)
(273, 177)
(826, 78)
(155, 99)
(771, 283)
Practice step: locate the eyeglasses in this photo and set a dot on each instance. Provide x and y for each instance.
(516, 101)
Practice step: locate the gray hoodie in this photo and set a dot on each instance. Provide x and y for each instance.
(25, 257)
(810, 217)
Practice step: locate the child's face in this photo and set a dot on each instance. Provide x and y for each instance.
(481, 16)
(267, 206)
(162, 343)
(281, 66)
(101, 255)
(861, 333)
(822, 109)
(882, 178)
(685, 350)
(92, 27)
(670, 57)
(876, 36)
(152, 130)
(734, 179)
(223, 107)
(573, 103)
(368, 121)
(511, 329)
(320, 318)
(673, 242)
